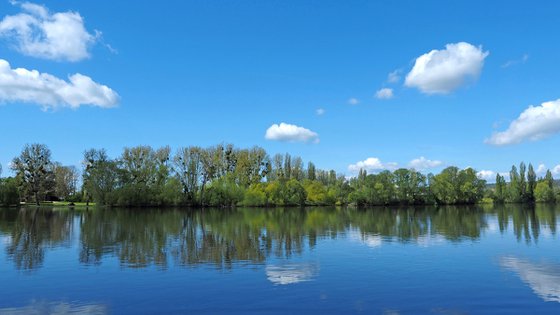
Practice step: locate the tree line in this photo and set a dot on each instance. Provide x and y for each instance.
(524, 186)
(226, 176)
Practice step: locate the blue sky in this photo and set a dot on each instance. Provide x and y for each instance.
(203, 72)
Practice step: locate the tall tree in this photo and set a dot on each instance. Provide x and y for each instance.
(500, 189)
(101, 177)
(514, 190)
(548, 179)
(522, 181)
(187, 164)
(278, 167)
(66, 180)
(531, 183)
(311, 171)
(35, 171)
(287, 166)
(297, 168)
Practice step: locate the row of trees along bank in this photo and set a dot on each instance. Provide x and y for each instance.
(223, 175)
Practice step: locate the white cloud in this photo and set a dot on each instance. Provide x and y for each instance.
(320, 111)
(31, 86)
(534, 123)
(353, 101)
(555, 170)
(38, 33)
(517, 61)
(384, 94)
(486, 175)
(290, 133)
(394, 77)
(442, 71)
(505, 175)
(541, 169)
(371, 164)
(422, 163)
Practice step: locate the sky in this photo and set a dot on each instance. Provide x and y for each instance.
(345, 84)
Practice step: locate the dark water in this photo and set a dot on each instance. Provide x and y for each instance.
(455, 260)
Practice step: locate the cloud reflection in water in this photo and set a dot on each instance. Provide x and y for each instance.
(291, 273)
(543, 278)
(55, 308)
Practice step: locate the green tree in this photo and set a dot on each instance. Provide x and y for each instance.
(311, 171)
(187, 164)
(514, 191)
(500, 189)
(548, 179)
(66, 181)
(444, 186)
(531, 183)
(454, 186)
(101, 177)
(543, 193)
(316, 192)
(9, 193)
(522, 182)
(255, 196)
(295, 194)
(34, 169)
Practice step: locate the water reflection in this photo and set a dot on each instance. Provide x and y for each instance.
(543, 278)
(223, 238)
(29, 233)
(55, 308)
(291, 273)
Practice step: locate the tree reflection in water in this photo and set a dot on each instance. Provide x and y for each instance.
(223, 238)
(30, 232)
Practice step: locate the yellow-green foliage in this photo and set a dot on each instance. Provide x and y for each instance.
(316, 192)
(543, 192)
(255, 195)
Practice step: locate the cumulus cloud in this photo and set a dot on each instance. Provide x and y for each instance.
(320, 111)
(38, 33)
(423, 163)
(371, 164)
(534, 123)
(486, 175)
(384, 93)
(31, 86)
(290, 133)
(541, 169)
(353, 101)
(443, 71)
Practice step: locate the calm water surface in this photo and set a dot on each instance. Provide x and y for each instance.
(454, 260)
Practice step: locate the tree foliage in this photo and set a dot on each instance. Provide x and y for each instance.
(34, 171)
(226, 176)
